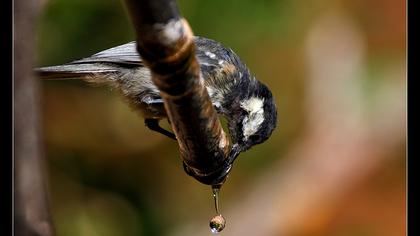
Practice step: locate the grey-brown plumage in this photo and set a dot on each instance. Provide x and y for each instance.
(247, 104)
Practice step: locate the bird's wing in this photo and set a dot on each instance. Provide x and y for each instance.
(125, 54)
(212, 57)
(218, 64)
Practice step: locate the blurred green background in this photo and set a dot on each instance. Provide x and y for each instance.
(334, 166)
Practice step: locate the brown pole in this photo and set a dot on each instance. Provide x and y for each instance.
(165, 43)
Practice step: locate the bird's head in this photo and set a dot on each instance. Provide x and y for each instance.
(253, 119)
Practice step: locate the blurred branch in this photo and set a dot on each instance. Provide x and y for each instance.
(31, 214)
(166, 45)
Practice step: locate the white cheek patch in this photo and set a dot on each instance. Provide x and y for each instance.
(252, 122)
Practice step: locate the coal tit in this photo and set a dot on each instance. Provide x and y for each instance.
(246, 103)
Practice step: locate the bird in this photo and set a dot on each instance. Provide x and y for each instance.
(246, 103)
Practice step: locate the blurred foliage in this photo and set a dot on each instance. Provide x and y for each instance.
(111, 176)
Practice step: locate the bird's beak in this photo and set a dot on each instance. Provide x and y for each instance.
(234, 152)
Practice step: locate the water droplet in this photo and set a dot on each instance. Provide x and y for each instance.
(217, 224)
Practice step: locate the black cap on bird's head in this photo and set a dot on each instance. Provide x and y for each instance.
(253, 119)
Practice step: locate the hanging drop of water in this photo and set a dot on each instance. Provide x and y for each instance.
(218, 222)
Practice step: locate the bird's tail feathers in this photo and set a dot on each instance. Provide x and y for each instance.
(96, 73)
